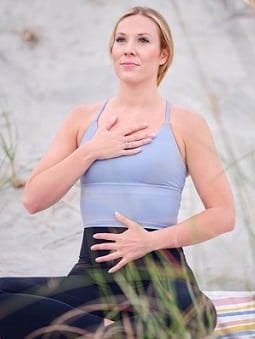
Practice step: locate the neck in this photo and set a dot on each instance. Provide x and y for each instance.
(139, 96)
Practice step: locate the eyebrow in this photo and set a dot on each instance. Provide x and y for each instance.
(139, 34)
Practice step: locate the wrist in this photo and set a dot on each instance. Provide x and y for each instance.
(88, 151)
(154, 240)
(163, 238)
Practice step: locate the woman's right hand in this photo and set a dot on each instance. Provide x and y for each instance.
(111, 143)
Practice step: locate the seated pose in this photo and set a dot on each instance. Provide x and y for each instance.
(132, 154)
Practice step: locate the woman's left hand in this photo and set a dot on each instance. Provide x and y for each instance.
(127, 246)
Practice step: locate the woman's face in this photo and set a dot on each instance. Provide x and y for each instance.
(136, 51)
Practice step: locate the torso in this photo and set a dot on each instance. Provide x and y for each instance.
(151, 197)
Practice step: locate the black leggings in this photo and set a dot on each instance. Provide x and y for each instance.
(77, 304)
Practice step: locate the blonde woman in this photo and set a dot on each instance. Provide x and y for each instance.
(131, 154)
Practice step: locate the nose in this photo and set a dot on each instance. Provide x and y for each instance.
(129, 53)
(129, 49)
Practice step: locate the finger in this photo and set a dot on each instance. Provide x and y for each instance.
(105, 246)
(111, 122)
(140, 136)
(109, 257)
(138, 143)
(132, 130)
(118, 266)
(131, 151)
(105, 236)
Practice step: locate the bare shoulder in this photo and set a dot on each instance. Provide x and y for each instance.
(189, 123)
(183, 116)
(78, 119)
(83, 112)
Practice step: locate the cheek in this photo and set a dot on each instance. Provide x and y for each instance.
(116, 50)
(115, 61)
(115, 55)
(152, 55)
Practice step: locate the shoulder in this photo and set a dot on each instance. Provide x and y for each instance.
(80, 116)
(76, 121)
(189, 123)
(183, 116)
(83, 112)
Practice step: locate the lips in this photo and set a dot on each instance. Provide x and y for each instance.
(128, 63)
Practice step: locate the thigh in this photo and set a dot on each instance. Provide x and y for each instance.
(30, 303)
(21, 314)
(74, 290)
(21, 284)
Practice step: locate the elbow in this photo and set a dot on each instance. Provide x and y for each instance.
(230, 225)
(29, 204)
(230, 220)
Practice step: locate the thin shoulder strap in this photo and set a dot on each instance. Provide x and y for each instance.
(167, 111)
(101, 110)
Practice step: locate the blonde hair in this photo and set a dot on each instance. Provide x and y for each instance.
(166, 41)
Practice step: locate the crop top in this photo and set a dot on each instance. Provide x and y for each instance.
(145, 187)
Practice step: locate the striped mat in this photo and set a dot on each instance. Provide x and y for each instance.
(236, 314)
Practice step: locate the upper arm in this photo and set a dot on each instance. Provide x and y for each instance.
(204, 165)
(65, 141)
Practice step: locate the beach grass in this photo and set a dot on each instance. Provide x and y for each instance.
(8, 150)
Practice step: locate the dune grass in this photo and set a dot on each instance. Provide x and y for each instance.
(8, 150)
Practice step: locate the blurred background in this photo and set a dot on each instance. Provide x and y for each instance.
(54, 56)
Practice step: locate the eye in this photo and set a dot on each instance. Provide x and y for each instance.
(143, 40)
(120, 39)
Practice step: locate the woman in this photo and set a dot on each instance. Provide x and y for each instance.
(132, 155)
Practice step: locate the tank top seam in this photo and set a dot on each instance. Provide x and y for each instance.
(132, 184)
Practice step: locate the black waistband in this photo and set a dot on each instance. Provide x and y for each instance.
(173, 255)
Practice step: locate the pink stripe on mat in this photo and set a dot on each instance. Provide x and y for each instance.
(236, 314)
(231, 300)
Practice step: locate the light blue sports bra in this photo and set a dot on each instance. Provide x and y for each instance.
(145, 187)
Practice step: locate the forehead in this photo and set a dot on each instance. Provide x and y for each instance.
(136, 24)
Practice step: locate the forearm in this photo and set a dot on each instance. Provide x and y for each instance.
(49, 186)
(199, 228)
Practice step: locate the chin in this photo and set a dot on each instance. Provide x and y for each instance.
(130, 79)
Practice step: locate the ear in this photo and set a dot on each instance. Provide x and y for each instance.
(163, 56)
